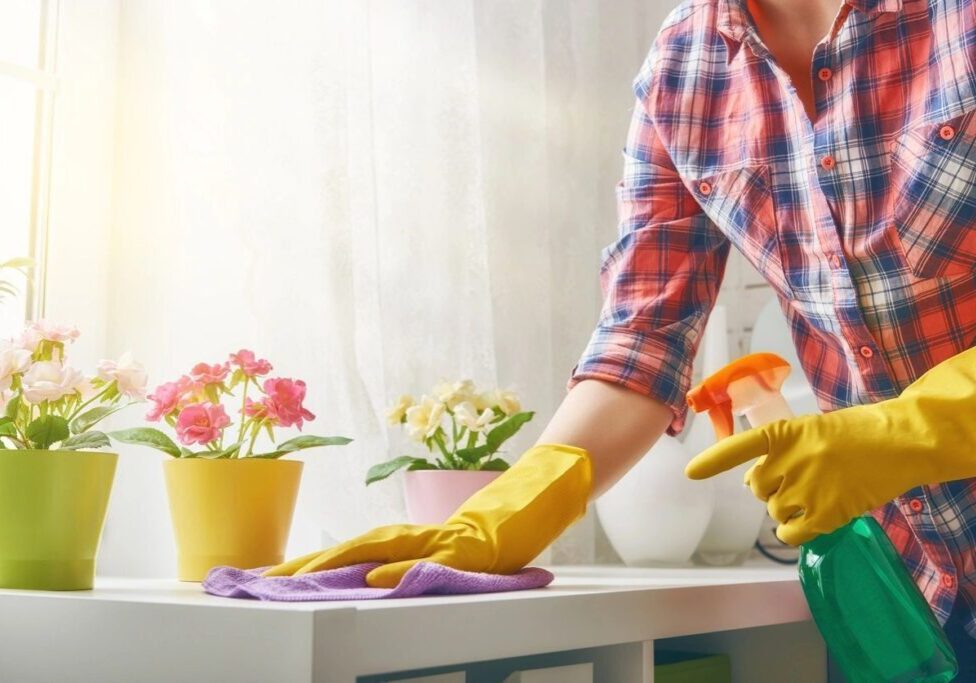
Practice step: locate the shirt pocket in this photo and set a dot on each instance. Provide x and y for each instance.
(740, 203)
(934, 212)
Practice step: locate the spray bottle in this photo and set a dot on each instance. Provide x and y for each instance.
(875, 621)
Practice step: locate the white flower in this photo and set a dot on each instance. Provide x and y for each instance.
(46, 330)
(13, 361)
(424, 418)
(453, 394)
(467, 415)
(506, 401)
(127, 373)
(49, 380)
(399, 411)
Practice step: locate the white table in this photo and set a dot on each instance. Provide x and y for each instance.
(147, 631)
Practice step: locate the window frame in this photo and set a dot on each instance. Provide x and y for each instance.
(43, 78)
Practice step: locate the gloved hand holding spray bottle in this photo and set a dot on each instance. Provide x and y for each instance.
(876, 623)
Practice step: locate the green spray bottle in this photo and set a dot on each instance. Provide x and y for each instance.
(876, 623)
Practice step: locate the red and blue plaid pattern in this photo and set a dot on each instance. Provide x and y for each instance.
(863, 220)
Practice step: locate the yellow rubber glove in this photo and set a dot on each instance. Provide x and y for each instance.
(818, 472)
(499, 530)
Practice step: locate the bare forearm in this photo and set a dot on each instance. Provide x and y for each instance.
(615, 425)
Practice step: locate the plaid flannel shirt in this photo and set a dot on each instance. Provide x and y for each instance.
(863, 221)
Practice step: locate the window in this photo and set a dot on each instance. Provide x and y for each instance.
(27, 31)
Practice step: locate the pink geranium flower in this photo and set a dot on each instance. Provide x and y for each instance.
(210, 374)
(282, 405)
(168, 397)
(201, 423)
(249, 365)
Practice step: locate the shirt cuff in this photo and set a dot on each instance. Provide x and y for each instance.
(636, 361)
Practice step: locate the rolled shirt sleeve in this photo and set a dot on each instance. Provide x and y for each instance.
(659, 279)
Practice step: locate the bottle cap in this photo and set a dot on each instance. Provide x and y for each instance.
(738, 387)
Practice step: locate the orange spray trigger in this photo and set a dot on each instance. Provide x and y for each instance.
(737, 388)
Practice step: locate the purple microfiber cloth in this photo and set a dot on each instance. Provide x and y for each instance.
(349, 583)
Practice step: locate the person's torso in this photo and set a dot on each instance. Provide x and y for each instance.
(864, 219)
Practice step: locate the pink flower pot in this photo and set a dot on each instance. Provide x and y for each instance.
(433, 495)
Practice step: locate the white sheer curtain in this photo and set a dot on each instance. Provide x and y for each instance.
(374, 194)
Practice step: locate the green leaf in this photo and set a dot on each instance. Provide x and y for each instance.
(385, 469)
(186, 453)
(421, 464)
(302, 442)
(18, 263)
(13, 407)
(473, 455)
(237, 377)
(310, 441)
(495, 465)
(506, 430)
(86, 440)
(147, 436)
(89, 418)
(230, 451)
(46, 430)
(7, 428)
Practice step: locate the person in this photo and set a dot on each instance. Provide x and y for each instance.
(833, 143)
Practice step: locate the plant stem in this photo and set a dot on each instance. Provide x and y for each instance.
(87, 403)
(240, 433)
(454, 435)
(255, 429)
(439, 440)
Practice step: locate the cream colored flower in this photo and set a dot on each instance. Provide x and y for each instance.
(49, 381)
(13, 361)
(399, 411)
(481, 402)
(506, 401)
(129, 375)
(424, 418)
(468, 416)
(45, 330)
(451, 394)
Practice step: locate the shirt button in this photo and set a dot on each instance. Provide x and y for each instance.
(916, 505)
(827, 162)
(866, 351)
(947, 132)
(948, 581)
(835, 260)
(705, 188)
(824, 74)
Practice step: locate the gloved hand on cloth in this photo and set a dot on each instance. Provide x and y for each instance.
(817, 472)
(498, 530)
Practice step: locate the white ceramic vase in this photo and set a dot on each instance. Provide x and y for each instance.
(655, 515)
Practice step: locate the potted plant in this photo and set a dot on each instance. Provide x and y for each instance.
(463, 431)
(54, 487)
(231, 498)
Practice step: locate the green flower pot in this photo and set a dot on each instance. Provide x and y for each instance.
(52, 507)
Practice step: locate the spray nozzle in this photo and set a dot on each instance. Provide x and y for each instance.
(740, 387)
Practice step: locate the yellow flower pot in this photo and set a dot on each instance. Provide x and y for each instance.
(52, 508)
(233, 512)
